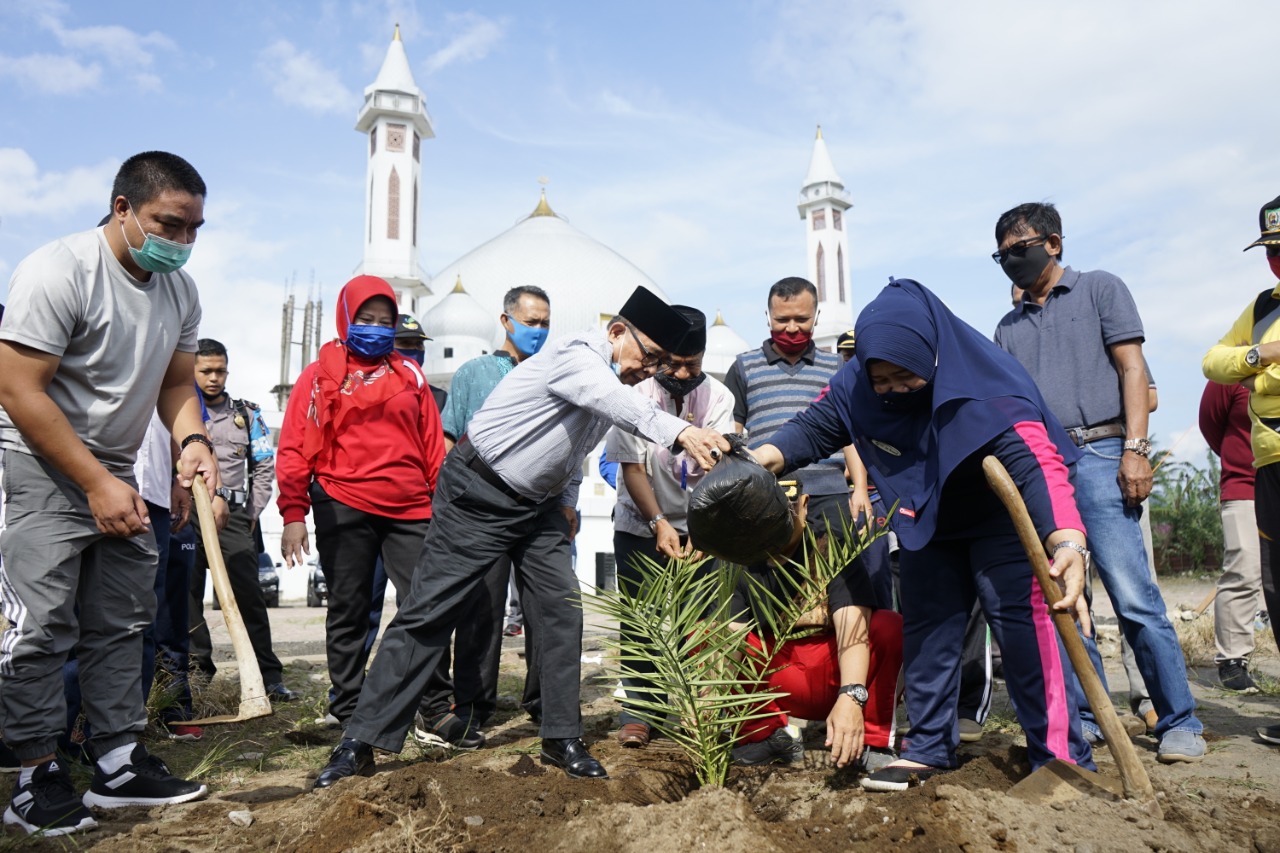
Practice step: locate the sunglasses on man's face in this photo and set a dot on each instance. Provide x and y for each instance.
(1017, 250)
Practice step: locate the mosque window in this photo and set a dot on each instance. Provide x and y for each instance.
(395, 137)
(417, 145)
(415, 212)
(448, 352)
(819, 220)
(840, 267)
(822, 274)
(370, 209)
(836, 220)
(373, 142)
(393, 205)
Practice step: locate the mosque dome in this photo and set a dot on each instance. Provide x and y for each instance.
(460, 329)
(586, 281)
(723, 346)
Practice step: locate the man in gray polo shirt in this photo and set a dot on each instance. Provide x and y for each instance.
(99, 333)
(1080, 337)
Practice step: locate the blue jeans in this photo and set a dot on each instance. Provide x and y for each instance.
(1120, 559)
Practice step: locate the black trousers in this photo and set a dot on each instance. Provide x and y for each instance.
(473, 525)
(349, 542)
(1266, 507)
(477, 654)
(241, 558)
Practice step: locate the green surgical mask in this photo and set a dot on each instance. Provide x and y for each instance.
(158, 254)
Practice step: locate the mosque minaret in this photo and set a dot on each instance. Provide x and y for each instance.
(823, 202)
(394, 117)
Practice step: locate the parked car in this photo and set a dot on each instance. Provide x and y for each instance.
(268, 582)
(317, 589)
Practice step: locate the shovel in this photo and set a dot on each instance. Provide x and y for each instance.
(1059, 779)
(253, 694)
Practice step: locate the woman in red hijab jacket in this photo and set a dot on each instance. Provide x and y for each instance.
(360, 447)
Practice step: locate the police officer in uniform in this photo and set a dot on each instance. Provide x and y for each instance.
(246, 460)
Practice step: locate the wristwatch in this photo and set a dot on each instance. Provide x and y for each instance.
(1140, 446)
(856, 692)
(653, 522)
(224, 493)
(1074, 546)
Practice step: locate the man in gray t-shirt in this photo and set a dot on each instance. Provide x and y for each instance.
(1079, 336)
(100, 331)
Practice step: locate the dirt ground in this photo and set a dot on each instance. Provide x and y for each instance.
(501, 799)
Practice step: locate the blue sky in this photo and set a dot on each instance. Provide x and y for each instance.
(678, 134)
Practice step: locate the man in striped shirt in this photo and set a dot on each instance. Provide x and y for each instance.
(776, 382)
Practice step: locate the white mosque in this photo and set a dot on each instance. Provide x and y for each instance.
(586, 280)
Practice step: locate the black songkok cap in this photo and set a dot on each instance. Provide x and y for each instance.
(695, 338)
(664, 325)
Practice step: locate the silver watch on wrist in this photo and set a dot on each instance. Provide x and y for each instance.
(1140, 446)
(1253, 358)
(653, 522)
(1074, 546)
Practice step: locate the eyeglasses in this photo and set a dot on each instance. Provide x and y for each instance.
(1018, 249)
(650, 359)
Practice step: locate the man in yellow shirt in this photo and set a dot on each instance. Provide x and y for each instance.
(1249, 355)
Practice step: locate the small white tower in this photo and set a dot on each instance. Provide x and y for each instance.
(822, 204)
(459, 330)
(395, 119)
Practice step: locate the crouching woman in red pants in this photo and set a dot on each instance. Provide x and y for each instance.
(844, 671)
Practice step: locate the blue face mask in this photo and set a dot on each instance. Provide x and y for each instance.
(370, 341)
(158, 254)
(617, 369)
(413, 355)
(527, 339)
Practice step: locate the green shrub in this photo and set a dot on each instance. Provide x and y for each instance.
(1186, 520)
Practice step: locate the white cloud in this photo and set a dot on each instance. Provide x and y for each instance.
(51, 74)
(79, 69)
(298, 78)
(25, 191)
(477, 36)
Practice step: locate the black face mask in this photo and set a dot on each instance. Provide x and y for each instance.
(1023, 271)
(908, 401)
(679, 387)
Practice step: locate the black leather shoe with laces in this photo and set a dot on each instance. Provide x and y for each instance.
(350, 758)
(571, 756)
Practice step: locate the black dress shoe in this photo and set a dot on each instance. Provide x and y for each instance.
(350, 758)
(570, 755)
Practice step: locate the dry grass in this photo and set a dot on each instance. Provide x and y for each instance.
(421, 830)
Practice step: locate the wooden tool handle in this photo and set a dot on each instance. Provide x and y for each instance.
(253, 694)
(1137, 785)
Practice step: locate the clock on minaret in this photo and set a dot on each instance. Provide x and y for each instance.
(395, 137)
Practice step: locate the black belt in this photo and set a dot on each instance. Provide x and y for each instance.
(1081, 436)
(484, 472)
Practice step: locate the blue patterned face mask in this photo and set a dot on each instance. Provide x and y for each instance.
(158, 254)
(370, 341)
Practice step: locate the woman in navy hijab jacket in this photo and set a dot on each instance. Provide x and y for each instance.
(927, 398)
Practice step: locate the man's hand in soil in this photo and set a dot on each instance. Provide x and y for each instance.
(845, 730)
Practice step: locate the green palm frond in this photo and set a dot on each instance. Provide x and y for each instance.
(706, 681)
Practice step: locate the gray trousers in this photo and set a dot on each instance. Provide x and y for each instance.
(55, 560)
(1240, 585)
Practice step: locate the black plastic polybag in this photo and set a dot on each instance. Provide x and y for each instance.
(739, 512)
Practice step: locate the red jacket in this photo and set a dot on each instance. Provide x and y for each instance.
(1224, 423)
